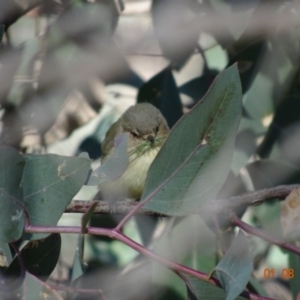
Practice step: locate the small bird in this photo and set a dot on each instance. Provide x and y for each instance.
(147, 130)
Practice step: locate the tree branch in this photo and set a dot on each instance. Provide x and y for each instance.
(103, 207)
(223, 206)
(264, 235)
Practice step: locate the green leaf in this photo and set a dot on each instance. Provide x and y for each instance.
(207, 291)
(115, 165)
(49, 184)
(39, 258)
(195, 160)
(78, 264)
(256, 287)
(191, 295)
(235, 268)
(32, 288)
(12, 218)
(248, 58)
(161, 91)
(87, 216)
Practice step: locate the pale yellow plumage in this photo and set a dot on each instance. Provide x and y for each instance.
(147, 131)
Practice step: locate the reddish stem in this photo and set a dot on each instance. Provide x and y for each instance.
(264, 235)
(115, 234)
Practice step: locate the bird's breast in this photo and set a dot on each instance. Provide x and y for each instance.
(131, 183)
(136, 173)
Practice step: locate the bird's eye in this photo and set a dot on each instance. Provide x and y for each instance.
(134, 134)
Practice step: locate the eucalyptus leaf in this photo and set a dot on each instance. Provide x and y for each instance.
(12, 219)
(32, 288)
(207, 291)
(78, 264)
(235, 268)
(193, 163)
(39, 258)
(49, 184)
(87, 216)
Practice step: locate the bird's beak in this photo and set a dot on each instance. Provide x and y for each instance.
(150, 138)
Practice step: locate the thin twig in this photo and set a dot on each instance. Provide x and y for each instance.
(264, 235)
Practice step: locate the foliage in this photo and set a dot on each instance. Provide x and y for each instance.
(225, 74)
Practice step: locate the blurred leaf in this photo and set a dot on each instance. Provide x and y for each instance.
(270, 173)
(12, 219)
(245, 144)
(255, 286)
(232, 186)
(195, 250)
(197, 152)
(288, 30)
(10, 60)
(49, 183)
(2, 27)
(248, 59)
(79, 266)
(87, 216)
(12, 123)
(115, 165)
(246, 141)
(30, 50)
(146, 226)
(242, 5)
(205, 290)
(97, 21)
(286, 115)
(267, 216)
(258, 99)
(75, 113)
(235, 268)
(174, 287)
(176, 28)
(39, 258)
(32, 288)
(162, 92)
(41, 107)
